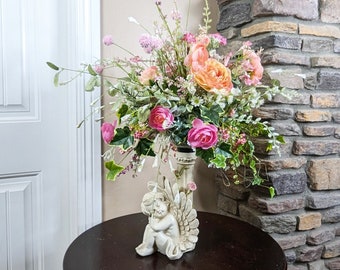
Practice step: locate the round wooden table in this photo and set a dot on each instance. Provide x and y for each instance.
(224, 243)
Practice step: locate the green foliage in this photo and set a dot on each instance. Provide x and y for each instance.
(144, 148)
(206, 154)
(92, 83)
(206, 16)
(212, 114)
(113, 170)
(219, 161)
(52, 66)
(123, 138)
(123, 110)
(91, 71)
(56, 79)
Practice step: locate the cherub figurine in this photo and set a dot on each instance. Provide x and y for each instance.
(173, 225)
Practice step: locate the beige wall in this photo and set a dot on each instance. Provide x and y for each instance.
(124, 196)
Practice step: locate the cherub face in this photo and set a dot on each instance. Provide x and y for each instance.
(160, 208)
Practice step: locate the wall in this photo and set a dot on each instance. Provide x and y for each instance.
(301, 41)
(124, 196)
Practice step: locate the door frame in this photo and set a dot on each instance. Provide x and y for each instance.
(83, 42)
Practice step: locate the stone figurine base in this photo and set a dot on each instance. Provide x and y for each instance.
(173, 225)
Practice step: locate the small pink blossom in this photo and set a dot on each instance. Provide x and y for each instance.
(108, 131)
(247, 43)
(189, 38)
(150, 43)
(160, 118)
(135, 59)
(227, 58)
(98, 69)
(219, 38)
(225, 135)
(139, 134)
(169, 71)
(148, 74)
(202, 135)
(176, 16)
(192, 186)
(241, 140)
(108, 40)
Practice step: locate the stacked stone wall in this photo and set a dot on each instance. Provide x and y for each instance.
(301, 48)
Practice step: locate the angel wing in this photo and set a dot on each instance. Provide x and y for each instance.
(185, 215)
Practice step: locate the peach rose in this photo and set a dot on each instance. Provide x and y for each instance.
(214, 76)
(197, 56)
(147, 75)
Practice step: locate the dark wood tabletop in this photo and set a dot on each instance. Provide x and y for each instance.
(224, 243)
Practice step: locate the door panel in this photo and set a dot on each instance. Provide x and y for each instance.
(49, 170)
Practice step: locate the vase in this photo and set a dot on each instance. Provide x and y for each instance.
(185, 158)
(172, 227)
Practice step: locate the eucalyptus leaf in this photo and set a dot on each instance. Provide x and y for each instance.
(91, 71)
(56, 79)
(91, 83)
(52, 66)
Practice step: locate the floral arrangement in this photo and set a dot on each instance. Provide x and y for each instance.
(184, 93)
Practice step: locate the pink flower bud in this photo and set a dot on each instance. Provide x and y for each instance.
(108, 40)
(192, 186)
(98, 69)
(108, 131)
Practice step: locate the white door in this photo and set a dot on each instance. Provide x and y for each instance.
(49, 170)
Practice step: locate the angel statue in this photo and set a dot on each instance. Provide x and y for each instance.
(173, 225)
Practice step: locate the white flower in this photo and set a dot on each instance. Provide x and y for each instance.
(133, 20)
(196, 101)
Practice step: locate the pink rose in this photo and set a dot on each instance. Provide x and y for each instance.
(108, 131)
(147, 75)
(160, 118)
(202, 135)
